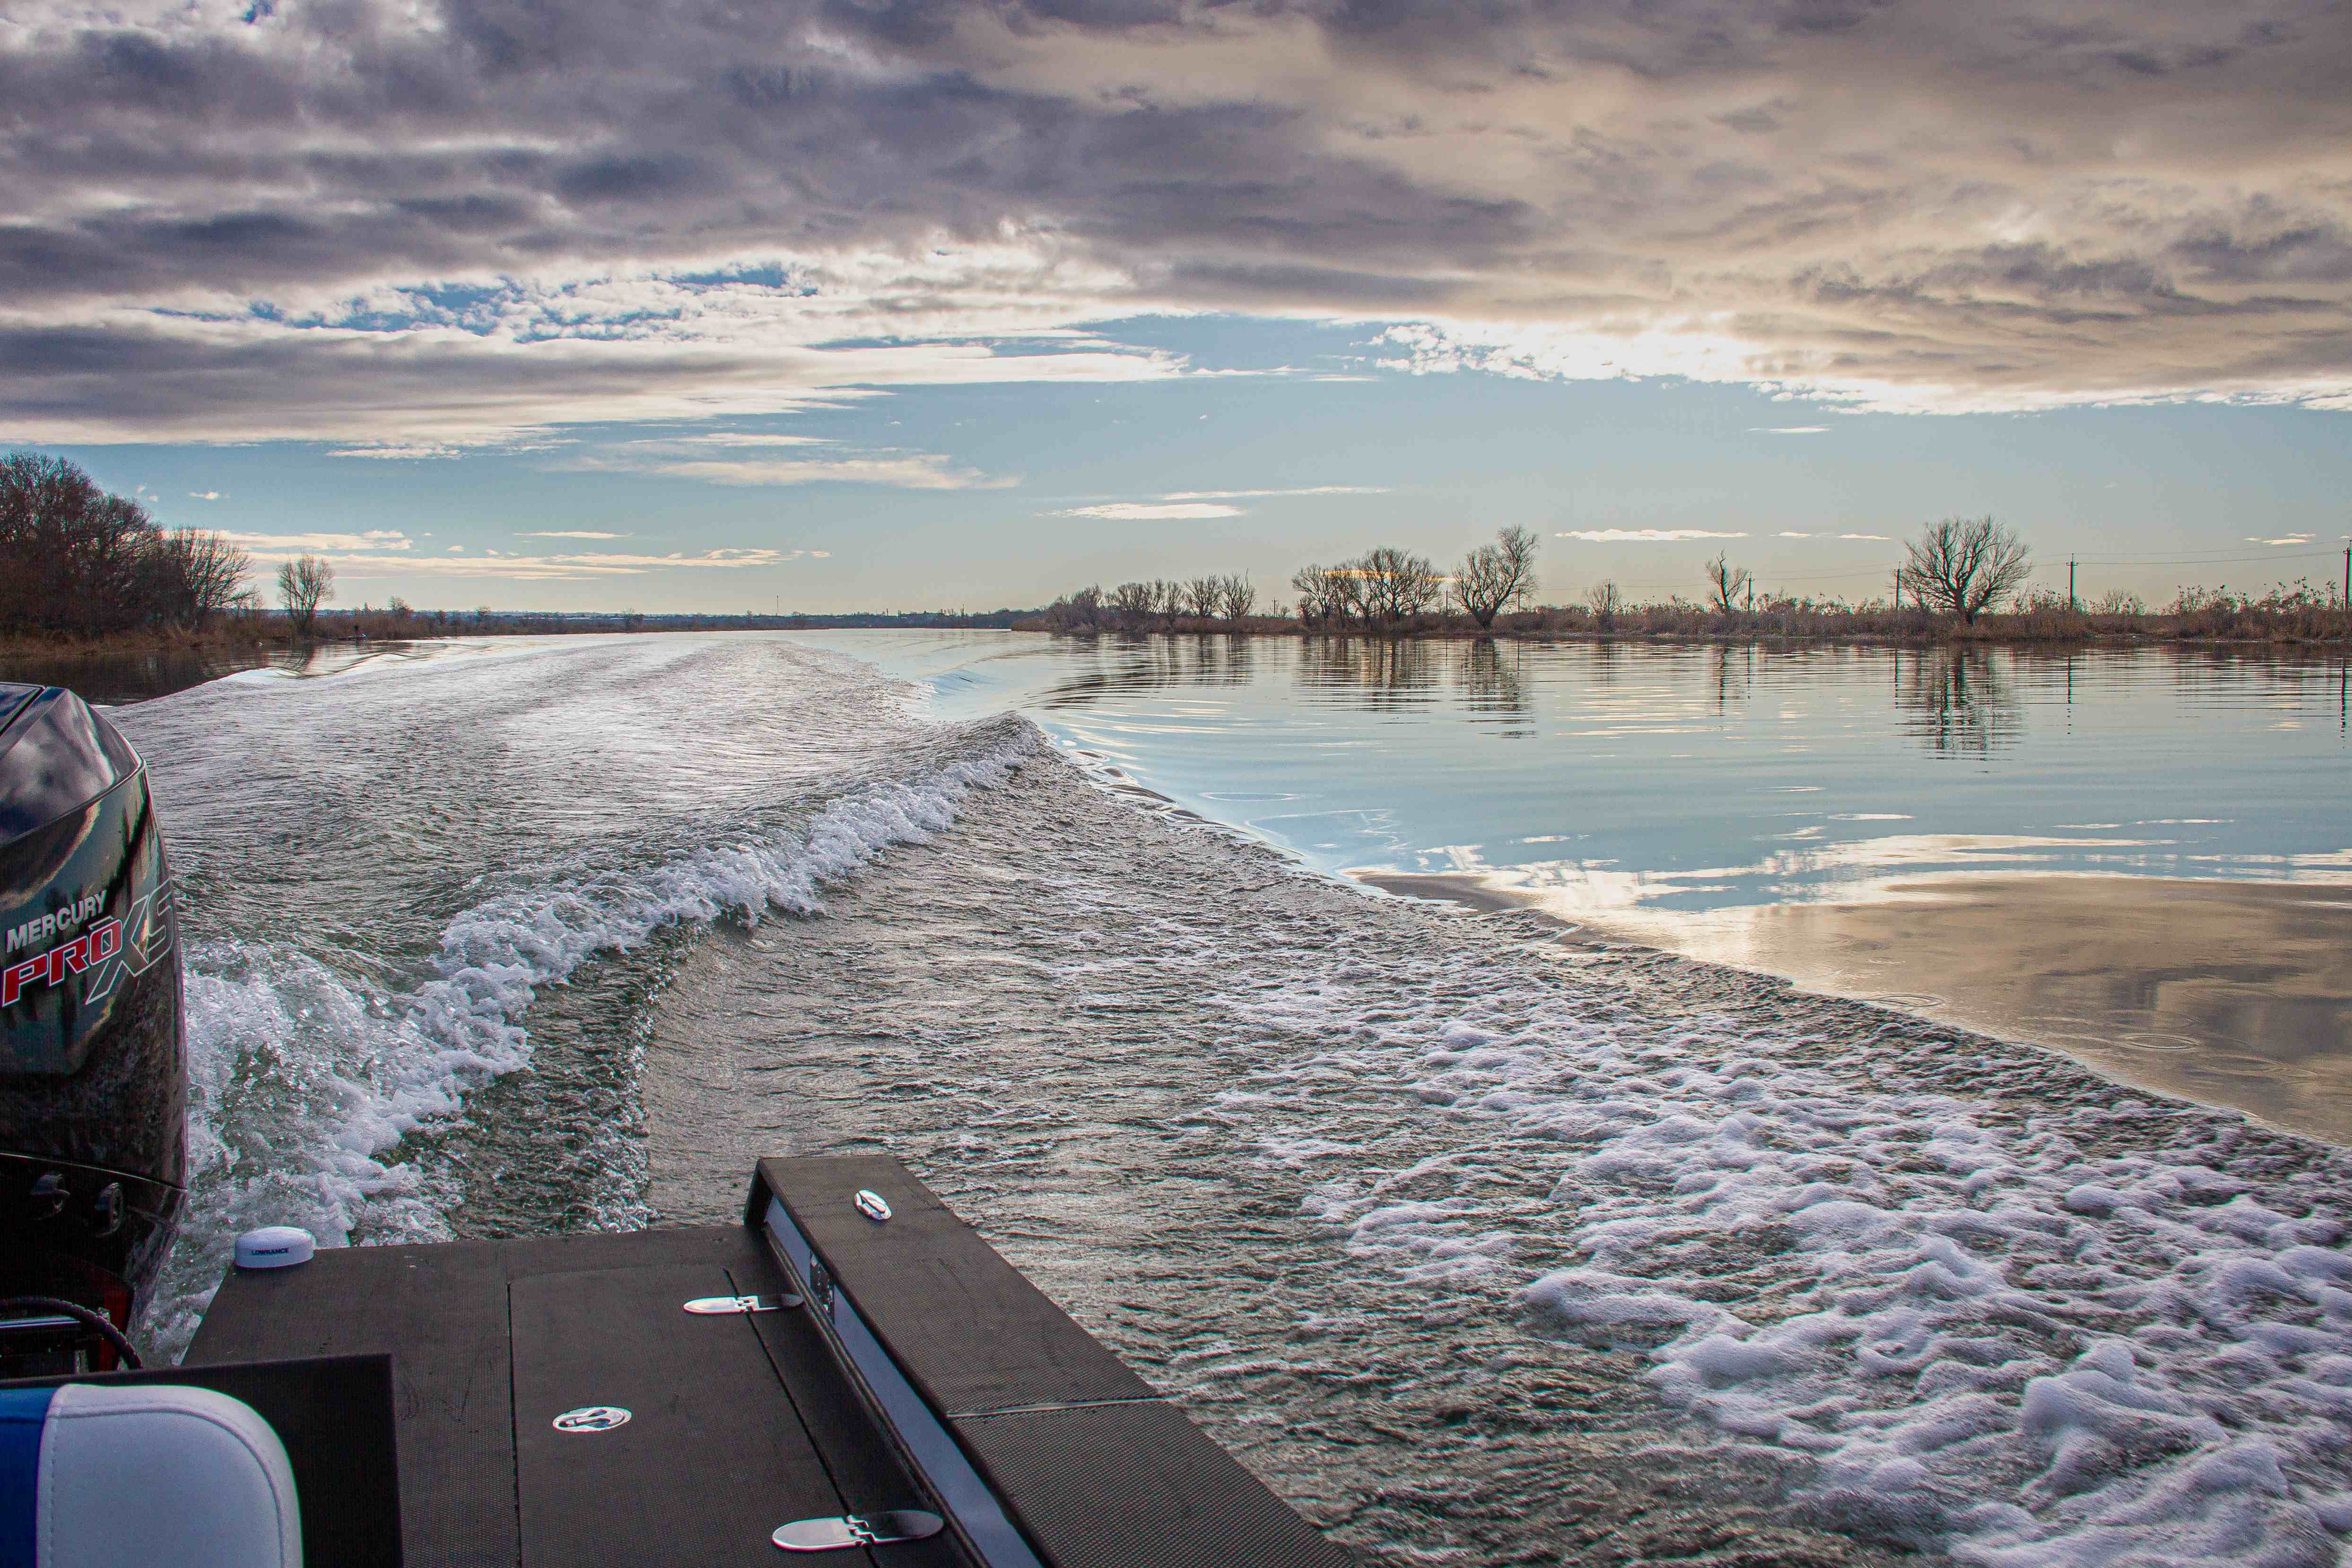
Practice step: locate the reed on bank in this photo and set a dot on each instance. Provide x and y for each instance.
(2296, 614)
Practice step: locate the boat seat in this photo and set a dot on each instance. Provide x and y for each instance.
(132, 1475)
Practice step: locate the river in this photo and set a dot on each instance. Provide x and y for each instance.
(1483, 1239)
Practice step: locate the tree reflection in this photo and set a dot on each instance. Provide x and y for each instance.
(1145, 662)
(1490, 680)
(1956, 699)
(1734, 670)
(1374, 673)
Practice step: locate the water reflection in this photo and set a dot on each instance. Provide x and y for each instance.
(1681, 778)
(1378, 674)
(129, 676)
(2144, 862)
(1959, 701)
(1491, 683)
(1944, 703)
(1735, 671)
(119, 677)
(1370, 675)
(1153, 663)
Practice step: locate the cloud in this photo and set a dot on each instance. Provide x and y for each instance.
(570, 533)
(511, 568)
(708, 558)
(1790, 429)
(2290, 539)
(1879, 537)
(1643, 535)
(918, 471)
(1789, 535)
(270, 546)
(1301, 490)
(496, 566)
(705, 459)
(206, 495)
(1144, 512)
(735, 440)
(409, 231)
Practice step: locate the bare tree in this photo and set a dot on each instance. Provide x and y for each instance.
(1236, 598)
(1965, 565)
(1605, 602)
(303, 584)
(1081, 611)
(1396, 585)
(1135, 602)
(1201, 596)
(1726, 583)
(1168, 596)
(72, 557)
(1351, 592)
(203, 573)
(1496, 577)
(1322, 597)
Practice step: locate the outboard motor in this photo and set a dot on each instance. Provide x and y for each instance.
(93, 1069)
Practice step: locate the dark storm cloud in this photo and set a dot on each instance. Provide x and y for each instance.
(450, 221)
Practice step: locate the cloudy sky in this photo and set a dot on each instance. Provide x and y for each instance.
(919, 302)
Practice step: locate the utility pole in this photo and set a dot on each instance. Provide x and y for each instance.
(2070, 585)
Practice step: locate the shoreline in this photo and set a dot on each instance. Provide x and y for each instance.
(232, 638)
(2224, 993)
(1941, 637)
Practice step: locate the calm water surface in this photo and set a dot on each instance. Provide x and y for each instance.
(1696, 778)
(2136, 857)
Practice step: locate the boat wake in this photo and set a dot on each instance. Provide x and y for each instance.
(313, 1064)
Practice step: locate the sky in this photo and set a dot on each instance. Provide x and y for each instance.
(878, 304)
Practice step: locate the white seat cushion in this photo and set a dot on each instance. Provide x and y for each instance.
(140, 1474)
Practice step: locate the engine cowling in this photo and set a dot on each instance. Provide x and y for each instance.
(93, 1069)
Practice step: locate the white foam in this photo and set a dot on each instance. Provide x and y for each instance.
(309, 1079)
(2022, 1336)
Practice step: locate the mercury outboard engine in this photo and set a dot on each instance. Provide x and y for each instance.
(93, 1071)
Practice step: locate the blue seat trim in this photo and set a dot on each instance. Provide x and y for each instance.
(23, 1412)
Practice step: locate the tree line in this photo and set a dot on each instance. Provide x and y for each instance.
(1384, 589)
(1156, 605)
(1961, 576)
(1387, 588)
(75, 561)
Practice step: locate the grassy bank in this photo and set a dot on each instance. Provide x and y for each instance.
(2198, 617)
(227, 634)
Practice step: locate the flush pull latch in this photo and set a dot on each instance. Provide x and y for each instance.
(714, 1305)
(857, 1530)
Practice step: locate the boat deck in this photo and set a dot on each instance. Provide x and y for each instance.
(917, 1371)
